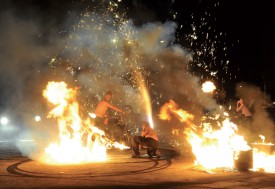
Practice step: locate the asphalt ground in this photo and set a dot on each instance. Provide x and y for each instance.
(171, 170)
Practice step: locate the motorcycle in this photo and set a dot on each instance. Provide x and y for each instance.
(115, 131)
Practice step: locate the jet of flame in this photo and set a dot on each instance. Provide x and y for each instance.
(148, 107)
(79, 141)
(120, 146)
(145, 95)
(208, 87)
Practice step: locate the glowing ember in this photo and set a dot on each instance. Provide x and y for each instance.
(208, 87)
(78, 140)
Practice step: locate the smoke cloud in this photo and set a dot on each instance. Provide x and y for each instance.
(256, 100)
(97, 51)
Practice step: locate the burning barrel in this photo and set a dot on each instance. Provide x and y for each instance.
(244, 160)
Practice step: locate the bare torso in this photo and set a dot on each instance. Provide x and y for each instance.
(245, 111)
(101, 109)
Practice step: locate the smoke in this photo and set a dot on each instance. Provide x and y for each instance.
(25, 51)
(111, 54)
(256, 100)
(97, 51)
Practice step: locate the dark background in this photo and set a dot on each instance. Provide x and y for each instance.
(249, 29)
(250, 35)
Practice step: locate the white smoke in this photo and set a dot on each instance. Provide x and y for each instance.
(99, 51)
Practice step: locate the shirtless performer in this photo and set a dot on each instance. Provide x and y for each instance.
(101, 110)
(243, 108)
(245, 126)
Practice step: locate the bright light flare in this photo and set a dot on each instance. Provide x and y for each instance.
(208, 87)
(4, 120)
(37, 118)
(92, 115)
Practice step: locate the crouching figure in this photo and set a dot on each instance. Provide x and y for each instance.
(147, 139)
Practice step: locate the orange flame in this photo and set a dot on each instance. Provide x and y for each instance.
(212, 148)
(171, 108)
(72, 146)
(215, 148)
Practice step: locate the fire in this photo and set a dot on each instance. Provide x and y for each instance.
(79, 141)
(120, 146)
(217, 148)
(220, 147)
(208, 87)
(212, 148)
(148, 107)
(171, 108)
(263, 156)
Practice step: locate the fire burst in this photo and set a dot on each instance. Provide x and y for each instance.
(79, 141)
(220, 147)
(208, 87)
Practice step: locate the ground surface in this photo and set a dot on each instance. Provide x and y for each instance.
(122, 171)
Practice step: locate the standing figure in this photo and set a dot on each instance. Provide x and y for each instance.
(245, 121)
(243, 108)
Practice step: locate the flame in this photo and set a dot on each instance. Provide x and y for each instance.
(263, 161)
(208, 87)
(145, 94)
(170, 108)
(263, 138)
(148, 107)
(120, 146)
(212, 148)
(79, 141)
(216, 148)
(263, 156)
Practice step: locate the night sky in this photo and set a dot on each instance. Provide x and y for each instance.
(248, 32)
